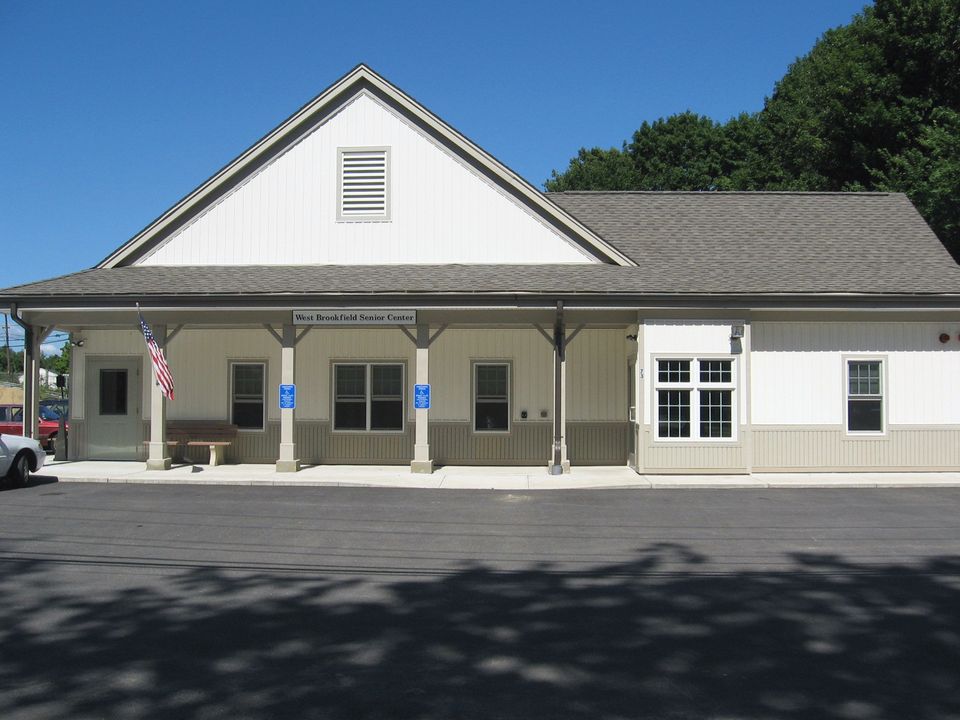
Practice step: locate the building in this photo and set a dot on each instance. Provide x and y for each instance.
(364, 248)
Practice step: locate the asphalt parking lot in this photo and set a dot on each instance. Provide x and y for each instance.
(152, 601)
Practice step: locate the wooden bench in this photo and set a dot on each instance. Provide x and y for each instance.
(217, 436)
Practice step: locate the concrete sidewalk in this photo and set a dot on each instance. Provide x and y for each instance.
(464, 478)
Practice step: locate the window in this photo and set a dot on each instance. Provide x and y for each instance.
(364, 182)
(865, 396)
(368, 396)
(491, 397)
(247, 405)
(694, 398)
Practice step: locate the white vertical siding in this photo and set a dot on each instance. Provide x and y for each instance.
(689, 338)
(442, 211)
(798, 371)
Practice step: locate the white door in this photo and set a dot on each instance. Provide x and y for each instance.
(114, 427)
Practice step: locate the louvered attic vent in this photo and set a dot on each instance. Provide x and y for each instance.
(364, 184)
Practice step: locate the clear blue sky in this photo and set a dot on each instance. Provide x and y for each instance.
(111, 111)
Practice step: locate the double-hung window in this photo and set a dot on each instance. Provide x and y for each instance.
(491, 397)
(695, 398)
(247, 395)
(368, 397)
(865, 396)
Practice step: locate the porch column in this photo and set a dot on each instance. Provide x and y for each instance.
(31, 378)
(559, 462)
(422, 462)
(288, 461)
(157, 456)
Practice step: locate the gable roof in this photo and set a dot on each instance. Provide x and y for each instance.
(361, 78)
(791, 230)
(684, 244)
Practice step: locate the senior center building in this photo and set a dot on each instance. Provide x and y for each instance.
(367, 285)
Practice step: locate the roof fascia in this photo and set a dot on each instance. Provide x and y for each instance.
(304, 120)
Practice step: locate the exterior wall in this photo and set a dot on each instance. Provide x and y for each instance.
(442, 211)
(683, 339)
(200, 358)
(799, 396)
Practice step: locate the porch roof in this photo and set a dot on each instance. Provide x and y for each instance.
(695, 275)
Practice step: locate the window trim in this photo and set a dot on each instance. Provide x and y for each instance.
(368, 391)
(230, 398)
(387, 194)
(695, 386)
(884, 396)
(473, 396)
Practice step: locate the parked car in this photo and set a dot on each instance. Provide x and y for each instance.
(11, 422)
(60, 407)
(19, 456)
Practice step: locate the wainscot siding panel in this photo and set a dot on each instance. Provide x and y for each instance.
(598, 443)
(678, 457)
(792, 448)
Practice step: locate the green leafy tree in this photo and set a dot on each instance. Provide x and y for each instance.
(873, 106)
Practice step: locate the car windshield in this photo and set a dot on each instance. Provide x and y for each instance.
(48, 413)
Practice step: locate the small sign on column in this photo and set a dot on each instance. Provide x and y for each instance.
(421, 397)
(288, 397)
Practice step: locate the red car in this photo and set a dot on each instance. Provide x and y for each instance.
(11, 423)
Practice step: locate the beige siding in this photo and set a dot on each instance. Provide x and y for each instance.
(597, 376)
(826, 448)
(442, 211)
(676, 457)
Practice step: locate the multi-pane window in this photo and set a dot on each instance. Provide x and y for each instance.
(491, 397)
(247, 395)
(865, 396)
(695, 398)
(368, 396)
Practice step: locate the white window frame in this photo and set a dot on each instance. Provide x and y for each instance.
(387, 194)
(473, 396)
(368, 391)
(694, 386)
(883, 396)
(263, 417)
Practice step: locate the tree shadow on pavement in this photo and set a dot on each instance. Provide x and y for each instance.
(656, 637)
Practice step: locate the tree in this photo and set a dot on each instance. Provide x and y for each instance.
(873, 106)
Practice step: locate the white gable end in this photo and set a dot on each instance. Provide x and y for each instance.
(441, 210)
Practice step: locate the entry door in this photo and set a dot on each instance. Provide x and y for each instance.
(114, 428)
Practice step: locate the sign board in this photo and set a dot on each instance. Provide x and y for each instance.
(288, 397)
(354, 317)
(421, 397)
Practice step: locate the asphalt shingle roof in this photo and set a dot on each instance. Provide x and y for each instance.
(683, 243)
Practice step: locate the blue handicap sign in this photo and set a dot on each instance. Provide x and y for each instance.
(421, 397)
(288, 397)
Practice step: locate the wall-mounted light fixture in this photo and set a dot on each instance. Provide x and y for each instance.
(944, 338)
(77, 343)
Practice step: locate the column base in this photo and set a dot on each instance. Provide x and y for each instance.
(562, 469)
(421, 466)
(288, 466)
(159, 463)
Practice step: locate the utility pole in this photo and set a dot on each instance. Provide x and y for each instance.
(6, 333)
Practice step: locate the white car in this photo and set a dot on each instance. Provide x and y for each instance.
(19, 456)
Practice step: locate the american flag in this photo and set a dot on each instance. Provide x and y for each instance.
(160, 368)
